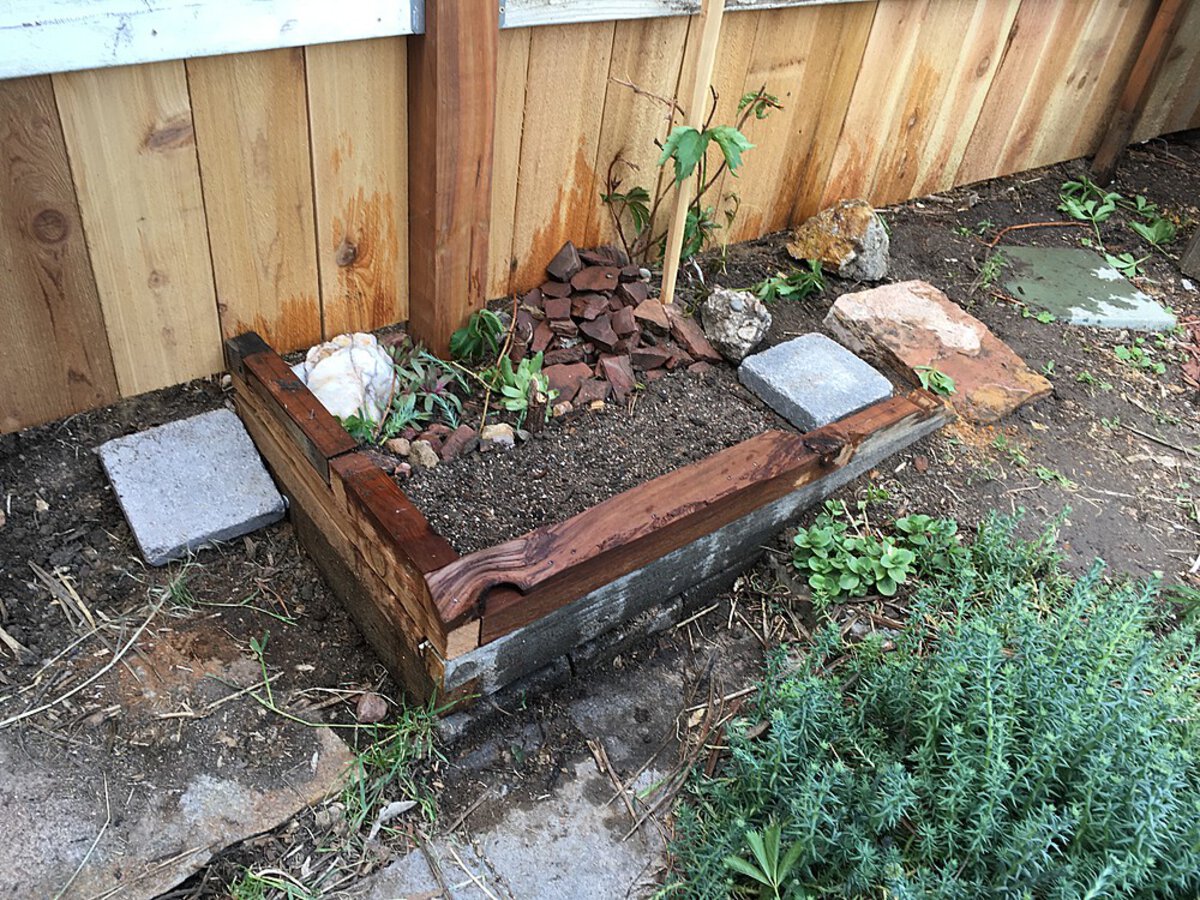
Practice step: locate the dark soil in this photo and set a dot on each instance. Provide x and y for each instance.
(482, 499)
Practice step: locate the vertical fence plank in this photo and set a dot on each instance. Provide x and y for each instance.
(129, 135)
(568, 73)
(358, 109)
(54, 359)
(646, 53)
(512, 65)
(252, 138)
(809, 59)
(1175, 103)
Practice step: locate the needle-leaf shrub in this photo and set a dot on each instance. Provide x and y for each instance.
(1032, 735)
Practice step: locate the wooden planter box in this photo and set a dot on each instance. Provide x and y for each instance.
(468, 625)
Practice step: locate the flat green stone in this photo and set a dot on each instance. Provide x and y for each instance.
(1079, 287)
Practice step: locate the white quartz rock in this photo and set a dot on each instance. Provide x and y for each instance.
(351, 375)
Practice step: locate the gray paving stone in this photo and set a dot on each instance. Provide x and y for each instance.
(1080, 287)
(812, 381)
(187, 484)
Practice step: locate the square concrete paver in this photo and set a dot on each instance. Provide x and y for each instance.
(186, 484)
(812, 381)
(1079, 287)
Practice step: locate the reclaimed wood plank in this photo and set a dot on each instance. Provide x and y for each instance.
(556, 194)
(559, 631)
(1189, 262)
(318, 434)
(560, 561)
(360, 179)
(323, 525)
(451, 104)
(1174, 105)
(54, 359)
(252, 139)
(129, 136)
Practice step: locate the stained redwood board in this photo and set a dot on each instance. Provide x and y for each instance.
(556, 196)
(1174, 105)
(133, 157)
(545, 568)
(54, 359)
(360, 180)
(451, 108)
(252, 139)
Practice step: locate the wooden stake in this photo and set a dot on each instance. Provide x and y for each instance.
(710, 32)
(1138, 88)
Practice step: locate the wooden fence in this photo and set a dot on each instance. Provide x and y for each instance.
(146, 211)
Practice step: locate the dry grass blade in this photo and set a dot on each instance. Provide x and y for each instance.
(64, 592)
(92, 848)
(12, 644)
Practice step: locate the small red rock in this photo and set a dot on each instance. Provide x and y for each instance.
(556, 289)
(630, 273)
(557, 307)
(564, 356)
(533, 299)
(700, 368)
(542, 335)
(402, 470)
(370, 708)
(588, 306)
(650, 357)
(596, 278)
(462, 440)
(921, 464)
(604, 255)
(633, 292)
(623, 322)
(564, 327)
(566, 379)
(653, 315)
(565, 264)
(600, 331)
(688, 332)
(591, 390)
(619, 373)
(654, 375)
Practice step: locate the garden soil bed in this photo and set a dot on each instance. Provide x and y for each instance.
(575, 462)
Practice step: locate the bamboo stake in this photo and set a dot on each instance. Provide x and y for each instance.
(711, 13)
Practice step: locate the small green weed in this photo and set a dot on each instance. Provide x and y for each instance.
(990, 271)
(1044, 316)
(795, 285)
(765, 868)
(1048, 369)
(935, 380)
(1053, 476)
(479, 339)
(1158, 232)
(273, 884)
(1125, 263)
(1139, 356)
(1014, 453)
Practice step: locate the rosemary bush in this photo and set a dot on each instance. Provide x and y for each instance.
(1033, 736)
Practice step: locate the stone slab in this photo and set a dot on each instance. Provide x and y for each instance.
(812, 381)
(1079, 287)
(912, 324)
(189, 484)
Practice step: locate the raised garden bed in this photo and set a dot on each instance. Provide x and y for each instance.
(461, 625)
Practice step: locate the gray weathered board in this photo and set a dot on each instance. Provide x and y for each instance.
(664, 580)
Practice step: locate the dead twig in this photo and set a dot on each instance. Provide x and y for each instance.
(1003, 231)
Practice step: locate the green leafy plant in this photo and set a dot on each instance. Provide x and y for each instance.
(1014, 453)
(935, 380)
(1053, 476)
(1139, 356)
(765, 868)
(990, 271)
(1084, 201)
(521, 387)
(1044, 316)
(794, 285)
(269, 884)
(1028, 735)
(1125, 263)
(479, 338)
(1157, 232)
(634, 209)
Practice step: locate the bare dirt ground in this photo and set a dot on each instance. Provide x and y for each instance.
(1119, 447)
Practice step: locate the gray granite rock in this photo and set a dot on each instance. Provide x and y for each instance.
(812, 381)
(188, 484)
(735, 322)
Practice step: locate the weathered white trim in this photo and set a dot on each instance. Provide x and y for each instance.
(40, 36)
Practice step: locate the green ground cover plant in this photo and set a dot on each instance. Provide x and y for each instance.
(1031, 735)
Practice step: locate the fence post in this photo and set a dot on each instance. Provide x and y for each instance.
(451, 111)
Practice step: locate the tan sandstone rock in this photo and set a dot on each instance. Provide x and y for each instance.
(912, 324)
(848, 238)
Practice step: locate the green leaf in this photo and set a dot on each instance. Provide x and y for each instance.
(686, 146)
(740, 865)
(732, 143)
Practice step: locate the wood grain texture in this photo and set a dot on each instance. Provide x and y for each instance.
(647, 53)
(547, 567)
(54, 359)
(129, 136)
(1175, 102)
(452, 103)
(360, 179)
(325, 527)
(925, 75)
(1189, 261)
(564, 102)
(512, 65)
(252, 138)
(1056, 84)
